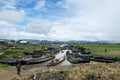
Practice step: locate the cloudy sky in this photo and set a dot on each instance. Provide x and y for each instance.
(60, 19)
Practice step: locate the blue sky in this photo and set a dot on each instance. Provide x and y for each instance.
(60, 19)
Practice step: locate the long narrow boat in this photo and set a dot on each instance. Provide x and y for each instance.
(56, 61)
(76, 60)
(26, 60)
(39, 60)
(103, 59)
(85, 55)
(9, 61)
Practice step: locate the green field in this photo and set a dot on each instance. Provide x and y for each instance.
(99, 49)
(96, 49)
(19, 52)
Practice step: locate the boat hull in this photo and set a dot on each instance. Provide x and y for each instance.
(103, 59)
(77, 60)
(39, 60)
(56, 63)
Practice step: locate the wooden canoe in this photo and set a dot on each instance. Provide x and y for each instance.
(39, 60)
(103, 59)
(76, 60)
(56, 61)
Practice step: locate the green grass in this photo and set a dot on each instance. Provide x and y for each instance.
(5, 66)
(98, 49)
(10, 52)
(26, 48)
(31, 47)
(106, 54)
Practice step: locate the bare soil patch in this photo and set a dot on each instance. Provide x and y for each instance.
(114, 52)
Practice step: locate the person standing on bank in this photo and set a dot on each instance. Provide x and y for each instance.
(105, 50)
(18, 67)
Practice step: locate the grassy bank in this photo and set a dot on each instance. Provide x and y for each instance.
(19, 52)
(111, 55)
(99, 49)
(10, 52)
(5, 66)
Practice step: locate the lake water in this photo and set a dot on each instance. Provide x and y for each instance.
(62, 54)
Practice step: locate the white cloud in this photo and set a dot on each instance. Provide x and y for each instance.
(40, 5)
(36, 29)
(39, 27)
(8, 4)
(3, 23)
(12, 31)
(68, 31)
(90, 20)
(14, 34)
(12, 16)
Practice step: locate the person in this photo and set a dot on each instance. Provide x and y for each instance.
(52, 61)
(47, 64)
(105, 50)
(18, 67)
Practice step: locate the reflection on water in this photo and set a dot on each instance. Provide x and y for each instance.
(62, 54)
(65, 63)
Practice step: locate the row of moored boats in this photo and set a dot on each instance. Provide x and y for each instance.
(75, 58)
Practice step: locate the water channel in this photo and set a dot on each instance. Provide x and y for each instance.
(61, 54)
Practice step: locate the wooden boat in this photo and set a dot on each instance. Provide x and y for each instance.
(39, 60)
(26, 60)
(27, 53)
(76, 60)
(56, 61)
(10, 61)
(104, 59)
(85, 55)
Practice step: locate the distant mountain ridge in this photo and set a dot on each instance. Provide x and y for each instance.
(56, 41)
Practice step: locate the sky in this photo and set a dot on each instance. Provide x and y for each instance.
(64, 20)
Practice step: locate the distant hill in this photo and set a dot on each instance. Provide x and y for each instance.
(68, 42)
(32, 40)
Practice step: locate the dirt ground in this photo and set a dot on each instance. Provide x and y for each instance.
(111, 52)
(30, 69)
(114, 52)
(27, 70)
